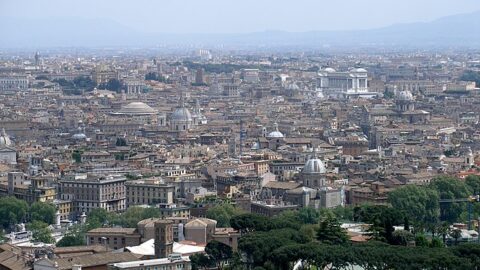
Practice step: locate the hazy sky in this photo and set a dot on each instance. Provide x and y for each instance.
(233, 16)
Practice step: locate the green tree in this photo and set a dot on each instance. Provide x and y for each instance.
(249, 222)
(420, 204)
(472, 76)
(83, 82)
(77, 156)
(113, 85)
(70, 241)
(64, 83)
(343, 213)
(443, 229)
(449, 152)
(75, 236)
(41, 232)
(97, 218)
(382, 219)
(421, 241)
(308, 215)
(133, 215)
(330, 231)
(258, 245)
(12, 211)
(287, 219)
(406, 224)
(309, 231)
(151, 76)
(436, 243)
(222, 213)
(121, 142)
(2, 236)
(468, 251)
(219, 253)
(451, 188)
(200, 261)
(456, 234)
(388, 95)
(473, 183)
(40, 211)
(236, 263)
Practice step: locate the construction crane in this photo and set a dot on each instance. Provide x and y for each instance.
(471, 199)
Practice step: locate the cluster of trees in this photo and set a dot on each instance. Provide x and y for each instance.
(421, 204)
(75, 236)
(77, 155)
(153, 76)
(471, 75)
(112, 85)
(216, 255)
(38, 217)
(121, 142)
(79, 84)
(374, 255)
(40, 232)
(222, 213)
(14, 211)
(83, 83)
(317, 241)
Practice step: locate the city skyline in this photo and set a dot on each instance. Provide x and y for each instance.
(238, 135)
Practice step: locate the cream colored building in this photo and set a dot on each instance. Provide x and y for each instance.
(148, 191)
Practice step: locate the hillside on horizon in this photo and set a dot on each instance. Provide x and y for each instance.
(450, 31)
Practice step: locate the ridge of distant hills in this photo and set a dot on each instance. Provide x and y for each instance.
(461, 30)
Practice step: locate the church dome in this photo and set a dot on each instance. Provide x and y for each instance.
(405, 95)
(181, 114)
(330, 70)
(137, 108)
(276, 133)
(4, 139)
(359, 70)
(293, 87)
(79, 136)
(314, 166)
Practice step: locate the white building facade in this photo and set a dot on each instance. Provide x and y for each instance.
(352, 83)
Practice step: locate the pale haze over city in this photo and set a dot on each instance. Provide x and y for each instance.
(239, 135)
(217, 16)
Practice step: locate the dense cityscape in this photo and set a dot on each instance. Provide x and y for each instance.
(211, 157)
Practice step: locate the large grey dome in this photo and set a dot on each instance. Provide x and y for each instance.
(4, 139)
(137, 108)
(314, 166)
(276, 133)
(181, 114)
(293, 87)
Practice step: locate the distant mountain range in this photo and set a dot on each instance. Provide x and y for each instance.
(461, 30)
